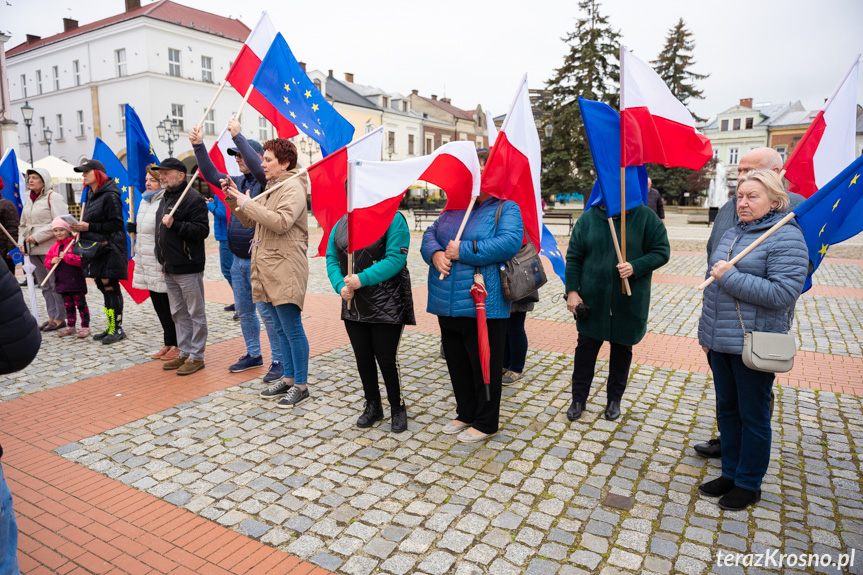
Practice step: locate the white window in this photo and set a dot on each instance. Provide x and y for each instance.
(462, 137)
(716, 154)
(23, 86)
(781, 150)
(177, 117)
(122, 117)
(444, 140)
(732, 156)
(42, 126)
(173, 62)
(386, 101)
(405, 106)
(76, 72)
(263, 129)
(38, 81)
(55, 73)
(479, 143)
(410, 144)
(207, 69)
(429, 145)
(59, 126)
(120, 62)
(368, 128)
(80, 123)
(210, 123)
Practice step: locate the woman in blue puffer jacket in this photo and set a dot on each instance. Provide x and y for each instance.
(765, 284)
(483, 245)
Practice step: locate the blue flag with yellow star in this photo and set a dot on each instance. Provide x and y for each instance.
(114, 169)
(549, 249)
(287, 87)
(833, 214)
(12, 180)
(139, 152)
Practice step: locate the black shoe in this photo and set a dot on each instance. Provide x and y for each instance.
(373, 412)
(612, 410)
(101, 336)
(118, 335)
(400, 418)
(230, 308)
(717, 487)
(575, 410)
(277, 390)
(710, 449)
(294, 397)
(276, 372)
(739, 499)
(23, 283)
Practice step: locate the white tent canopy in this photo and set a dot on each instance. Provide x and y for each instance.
(62, 172)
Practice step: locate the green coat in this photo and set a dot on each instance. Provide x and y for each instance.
(591, 271)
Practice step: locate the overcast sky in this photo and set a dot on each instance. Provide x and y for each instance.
(475, 51)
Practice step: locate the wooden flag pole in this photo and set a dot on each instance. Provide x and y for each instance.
(8, 235)
(788, 217)
(349, 188)
(72, 243)
(350, 264)
(619, 255)
(213, 101)
(280, 185)
(463, 224)
(622, 251)
(197, 173)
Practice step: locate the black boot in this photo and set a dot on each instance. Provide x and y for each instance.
(575, 410)
(373, 412)
(116, 321)
(709, 449)
(717, 487)
(612, 410)
(739, 499)
(400, 418)
(104, 334)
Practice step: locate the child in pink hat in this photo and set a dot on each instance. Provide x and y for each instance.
(69, 280)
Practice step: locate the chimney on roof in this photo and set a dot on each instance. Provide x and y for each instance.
(69, 24)
(33, 38)
(132, 5)
(746, 102)
(349, 77)
(434, 97)
(446, 100)
(302, 65)
(415, 92)
(329, 74)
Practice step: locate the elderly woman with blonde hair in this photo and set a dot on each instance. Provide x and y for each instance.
(756, 294)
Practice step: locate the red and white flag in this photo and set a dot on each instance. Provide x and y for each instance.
(375, 189)
(514, 165)
(655, 127)
(246, 66)
(328, 177)
(224, 162)
(827, 147)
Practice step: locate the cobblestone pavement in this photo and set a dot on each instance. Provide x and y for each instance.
(543, 496)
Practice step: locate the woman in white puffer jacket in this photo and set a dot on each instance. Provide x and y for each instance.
(148, 271)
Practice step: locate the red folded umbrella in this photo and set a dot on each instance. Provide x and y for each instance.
(478, 293)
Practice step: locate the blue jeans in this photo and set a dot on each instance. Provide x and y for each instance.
(743, 414)
(292, 337)
(8, 531)
(250, 326)
(226, 259)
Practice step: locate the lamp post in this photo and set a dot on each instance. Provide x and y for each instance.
(310, 147)
(47, 135)
(390, 152)
(27, 112)
(168, 131)
(549, 130)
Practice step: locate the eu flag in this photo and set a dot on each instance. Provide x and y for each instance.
(139, 151)
(287, 87)
(602, 126)
(833, 214)
(12, 179)
(549, 249)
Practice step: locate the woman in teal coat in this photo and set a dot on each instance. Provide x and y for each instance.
(593, 278)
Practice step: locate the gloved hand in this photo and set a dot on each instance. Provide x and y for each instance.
(132, 227)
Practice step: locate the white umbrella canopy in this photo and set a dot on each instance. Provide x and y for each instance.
(62, 172)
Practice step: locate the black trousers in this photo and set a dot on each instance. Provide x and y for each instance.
(584, 367)
(460, 338)
(163, 310)
(113, 297)
(377, 342)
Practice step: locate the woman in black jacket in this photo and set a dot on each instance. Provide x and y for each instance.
(102, 224)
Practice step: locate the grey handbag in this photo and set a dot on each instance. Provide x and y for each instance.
(523, 274)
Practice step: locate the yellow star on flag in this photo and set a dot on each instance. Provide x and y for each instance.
(129, 201)
(822, 230)
(854, 180)
(305, 126)
(308, 94)
(318, 132)
(124, 188)
(287, 101)
(837, 203)
(823, 250)
(117, 180)
(287, 88)
(315, 107)
(293, 115)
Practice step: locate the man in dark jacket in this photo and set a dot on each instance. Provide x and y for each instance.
(180, 249)
(9, 219)
(654, 200)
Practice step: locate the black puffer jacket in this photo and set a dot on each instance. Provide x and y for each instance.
(19, 333)
(180, 248)
(104, 213)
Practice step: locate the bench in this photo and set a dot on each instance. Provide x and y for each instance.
(424, 218)
(698, 219)
(561, 218)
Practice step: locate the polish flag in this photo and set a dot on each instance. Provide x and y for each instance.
(375, 189)
(225, 163)
(246, 66)
(328, 177)
(514, 165)
(655, 127)
(827, 147)
(492, 128)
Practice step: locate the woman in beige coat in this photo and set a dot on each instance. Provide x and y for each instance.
(280, 265)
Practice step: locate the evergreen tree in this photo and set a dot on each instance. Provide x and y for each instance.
(591, 70)
(674, 65)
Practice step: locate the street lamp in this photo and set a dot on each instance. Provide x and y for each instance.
(27, 112)
(168, 131)
(310, 147)
(549, 130)
(390, 152)
(47, 133)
